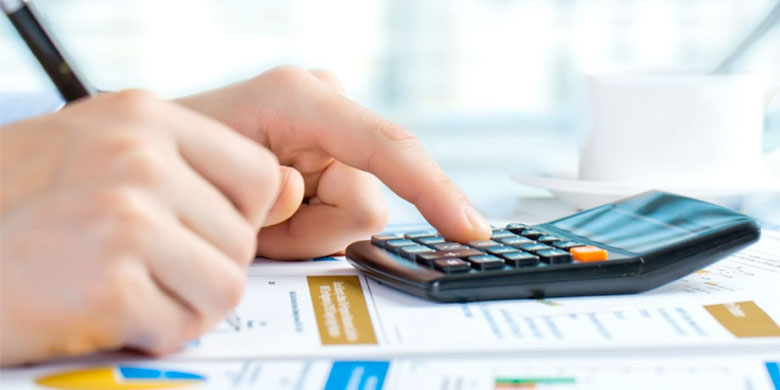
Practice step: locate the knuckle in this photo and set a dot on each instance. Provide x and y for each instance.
(190, 327)
(267, 172)
(242, 248)
(114, 291)
(261, 166)
(162, 341)
(124, 203)
(169, 337)
(263, 178)
(120, 143)
(136, 103)
(390, 136)
(441, 180)
(122, 212)
(288, 75)
(233, 289)
(247, 245)
(372, 218)
(142, 164)
(329, 78)
(115, 295)
(265, 160)
(389, 132)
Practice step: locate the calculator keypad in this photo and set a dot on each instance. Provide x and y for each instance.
(532, 233)
(449, 246)
(431, 240)
(396, 245)
(534, 247)
(411, 251)
(483, 244)
(516, 241)
(520, 259)
(515, 246)
(499, 250)
(554, 256)
(451, 265)
(484, 262)
(567, 245)
(501, 233)
(589, 253)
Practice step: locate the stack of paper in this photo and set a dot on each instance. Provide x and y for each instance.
(322, 325)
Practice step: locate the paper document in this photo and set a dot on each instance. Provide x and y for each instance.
(322, 325)
(743, 372)
(326, 308)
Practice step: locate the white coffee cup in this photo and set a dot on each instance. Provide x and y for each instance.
(674, 130)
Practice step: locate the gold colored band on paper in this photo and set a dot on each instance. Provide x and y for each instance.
(340, 309)
(744, 319)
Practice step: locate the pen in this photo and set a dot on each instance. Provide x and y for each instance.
(66, 78)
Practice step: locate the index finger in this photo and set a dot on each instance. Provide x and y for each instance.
(358, 137)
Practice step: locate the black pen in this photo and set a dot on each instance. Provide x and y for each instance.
(69, 81)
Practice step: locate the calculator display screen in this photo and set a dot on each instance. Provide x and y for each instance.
(643, 223)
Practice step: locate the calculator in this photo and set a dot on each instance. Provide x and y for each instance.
(628, 246)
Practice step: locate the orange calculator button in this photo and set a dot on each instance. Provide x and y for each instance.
(588, 253)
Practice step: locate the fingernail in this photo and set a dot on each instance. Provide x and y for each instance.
(476, 219)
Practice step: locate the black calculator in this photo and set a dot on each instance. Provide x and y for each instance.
(629, 246)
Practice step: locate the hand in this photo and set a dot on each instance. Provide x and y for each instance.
(331, 142)
(127, 221)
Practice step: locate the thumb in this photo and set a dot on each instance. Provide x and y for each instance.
(289, 198)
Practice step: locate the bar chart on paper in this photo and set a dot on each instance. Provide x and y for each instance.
(742, 372)
(660, 376)
(693, 372)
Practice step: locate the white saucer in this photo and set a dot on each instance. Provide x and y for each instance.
(586, 194)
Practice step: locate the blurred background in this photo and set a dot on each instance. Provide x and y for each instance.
(501, 71)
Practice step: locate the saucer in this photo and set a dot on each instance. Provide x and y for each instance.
(586, 194)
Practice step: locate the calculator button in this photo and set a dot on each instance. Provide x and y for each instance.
(380, 239)
(466, 252)
(449, 246)
(516, 241)
(535, 247)
(554, 256)
(516, 227)
(431, 240)
(485, 262)
(427, 258)
(411, 251)
(532, 233)
(395, 245)
(520, 259)
(421, 234)
(483, 244)
(498, 250)
(451, 265)
(588, 253)
(501, 233)
(548, 239)
(566, 245)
